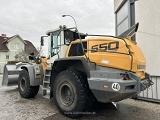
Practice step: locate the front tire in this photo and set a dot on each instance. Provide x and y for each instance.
(70, 94)
(25, 90)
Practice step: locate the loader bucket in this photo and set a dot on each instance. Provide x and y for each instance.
(10, 75)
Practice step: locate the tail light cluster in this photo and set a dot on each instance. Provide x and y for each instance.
(124, 76)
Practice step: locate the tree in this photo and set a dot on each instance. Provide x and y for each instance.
(21, 55)
(40, 51)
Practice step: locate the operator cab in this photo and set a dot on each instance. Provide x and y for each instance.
(59, 40)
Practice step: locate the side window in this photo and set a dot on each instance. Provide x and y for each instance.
(125, 17)
(16, 45)
(71, 36)
(122, 19)
(55, 43)
(7, 57)
(76, 49)
(68, 36)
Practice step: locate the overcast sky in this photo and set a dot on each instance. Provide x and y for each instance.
(32, 18)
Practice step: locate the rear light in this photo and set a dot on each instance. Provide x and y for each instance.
(124, 76)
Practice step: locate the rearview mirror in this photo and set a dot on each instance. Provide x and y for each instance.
(42, 41)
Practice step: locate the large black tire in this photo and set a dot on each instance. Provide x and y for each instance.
(71, 94)
(25, 90)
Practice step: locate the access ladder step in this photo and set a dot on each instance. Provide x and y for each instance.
(46, 82)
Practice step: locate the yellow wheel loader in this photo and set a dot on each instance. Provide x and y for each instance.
(83, 69)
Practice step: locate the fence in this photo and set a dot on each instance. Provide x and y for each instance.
(152, 93)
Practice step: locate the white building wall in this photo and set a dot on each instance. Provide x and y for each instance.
(11, 43)
(12, 52)
(147, 13)
(3, 60)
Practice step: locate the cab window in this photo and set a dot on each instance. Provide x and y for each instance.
(55, 43)
(76, 49)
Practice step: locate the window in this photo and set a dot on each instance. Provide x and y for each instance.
(125, 16)
(55, 43)
(122, 27)
(122, 19)
(16, 46)
(76, 49)
(7, 57)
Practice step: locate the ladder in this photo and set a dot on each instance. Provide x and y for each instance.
(46, 83)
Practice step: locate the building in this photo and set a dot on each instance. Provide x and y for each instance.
(147, 13)
(10, 48)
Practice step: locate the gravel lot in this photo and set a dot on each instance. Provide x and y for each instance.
(13, 107)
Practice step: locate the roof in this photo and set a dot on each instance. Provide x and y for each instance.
(3, 47)
(29, 48)
(15, 37)
(50, 31)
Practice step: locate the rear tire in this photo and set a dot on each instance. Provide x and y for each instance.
(70, 94)
(25, 90)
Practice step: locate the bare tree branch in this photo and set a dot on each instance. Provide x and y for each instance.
(22, 56)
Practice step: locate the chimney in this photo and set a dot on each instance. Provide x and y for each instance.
(3, 35)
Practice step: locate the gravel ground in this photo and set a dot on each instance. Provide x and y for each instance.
(13, 107)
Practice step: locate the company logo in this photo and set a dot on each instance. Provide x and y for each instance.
(105, 61)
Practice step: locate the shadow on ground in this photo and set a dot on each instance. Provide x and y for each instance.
(98, 110)
(123, 111)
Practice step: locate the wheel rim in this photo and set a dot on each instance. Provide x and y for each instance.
(66, 94)
(22, 84)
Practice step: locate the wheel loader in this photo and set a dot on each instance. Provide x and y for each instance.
(82, 68)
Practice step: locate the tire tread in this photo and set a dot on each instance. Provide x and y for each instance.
(84, 91)
(31, 91)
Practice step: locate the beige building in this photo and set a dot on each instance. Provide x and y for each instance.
(147, 13)
(10, 48)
